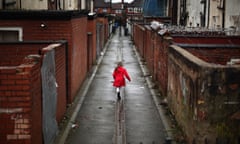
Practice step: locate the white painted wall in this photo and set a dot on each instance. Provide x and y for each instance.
(232, 17)
(43, 4)
(71, 4)
(194, 8)
(215, 17)
(34, 4)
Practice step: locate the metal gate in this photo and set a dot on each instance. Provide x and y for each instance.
(49, 98)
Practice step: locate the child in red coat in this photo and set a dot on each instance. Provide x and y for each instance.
(119, 75)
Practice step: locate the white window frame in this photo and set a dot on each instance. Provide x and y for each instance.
(18, 29)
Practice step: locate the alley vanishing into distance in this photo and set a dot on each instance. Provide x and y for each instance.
(101, 119)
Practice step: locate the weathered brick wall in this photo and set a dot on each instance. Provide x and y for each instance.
(196, 39)
(154, 50)
(21, 90)
(215, 55)
(162, 64)
(20, 103)
(202, 96)
(12, 54)
(92, 41)
(147, 43)
(74, 30)
(139, 38)
(202, 90)
(104, 22)
(78, 55)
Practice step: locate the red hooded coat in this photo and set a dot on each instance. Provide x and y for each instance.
(119, 75)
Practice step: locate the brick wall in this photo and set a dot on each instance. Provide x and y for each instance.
(72, 55)
(203, 96)
(200, 87)
(78, 55)
(72, 29)
(195, 39)
(20, 90)
(104, 22)
(153, 48)
(217, 55)
(92, 40)
(139, 38)
(150, 52)
(20, 103)
(162, 63)
(12, 54)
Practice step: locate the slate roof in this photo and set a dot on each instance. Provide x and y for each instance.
(41, 14)
(101, 4)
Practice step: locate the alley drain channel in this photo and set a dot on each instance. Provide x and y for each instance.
(120, 136)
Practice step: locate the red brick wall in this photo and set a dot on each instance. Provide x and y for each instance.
(74, 31)
(156, 42)
(196, 90)
(215, 55)
(162, 66)
(147, 52)
(20, 90)
(13, 54)
(200, 93)
(92, 29)
(206, 40)
(20, 104)
(154, 49)
(78, 55)
(139, 38)
(104, 23)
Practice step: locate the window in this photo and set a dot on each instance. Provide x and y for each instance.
(10, 34)
(130, 9)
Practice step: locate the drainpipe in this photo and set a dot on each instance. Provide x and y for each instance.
(20, 4)
(110, 6)
(223, 14)
(203, 15)
(208, 13)
(3, 4)
(205, 10)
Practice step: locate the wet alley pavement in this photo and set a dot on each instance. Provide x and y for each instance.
(99, 118)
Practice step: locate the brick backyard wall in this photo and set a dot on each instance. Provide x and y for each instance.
(58, 25)
(196, 39)
(12, 54)
(201, 95)
(202, 90)
(92, 32)
(21, 89)
(20, 103)
(78, 55)
(216, 55)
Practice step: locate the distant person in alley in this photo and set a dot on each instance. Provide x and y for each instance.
(119, 75)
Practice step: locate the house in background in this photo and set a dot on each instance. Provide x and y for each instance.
(212, 14)
(135, 9)
(47, 4)
(100, 6)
